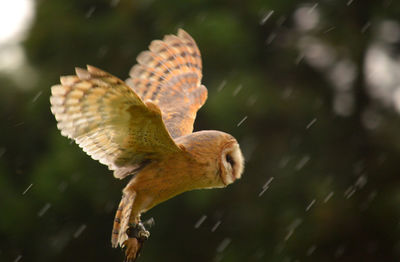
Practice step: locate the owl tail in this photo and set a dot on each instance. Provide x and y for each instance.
(121, 221)
(128, 232)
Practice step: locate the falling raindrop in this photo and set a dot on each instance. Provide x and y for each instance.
(312, 8)
(266, 17)
(223, 245)
(79, 231)
(237, 90)
(289, 234)
(202, 18)
(299, 58)
(349, 2)
(221, 86)
(268, 182)
(284, 161)
(102, 51)
(306, 17)
(270, 38)
(361, 181)
(311, 123)
(241, 121)
(329, 29)
(303, 161)
(368, 201)
(287, 92)
(358, 167)
(90, 12)
(114, 3)
(200, 221)
(310, 205)
(27, 189)
(329, 196)
(265, 186)
(259, 254)
(350, 192)
(297, 222)
(372, 195)
(281, 20)
(311, 250)
(37, 96)
(59, 241)
(252, 100)
(62, 186)
(2, 151)
(216, 226)
(263, 191)
(18, 258)
(44, 209)
(365, 27)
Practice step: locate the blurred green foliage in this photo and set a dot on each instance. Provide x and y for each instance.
(335, 191)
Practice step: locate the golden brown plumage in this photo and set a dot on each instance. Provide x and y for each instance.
(144, 128)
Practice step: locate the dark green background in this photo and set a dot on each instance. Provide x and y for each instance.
(281, 94)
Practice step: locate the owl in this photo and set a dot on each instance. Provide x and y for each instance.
(143, 128)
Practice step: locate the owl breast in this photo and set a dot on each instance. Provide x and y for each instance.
(199, 165)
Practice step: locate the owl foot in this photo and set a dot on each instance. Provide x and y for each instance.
(139, 231)
(137, 234)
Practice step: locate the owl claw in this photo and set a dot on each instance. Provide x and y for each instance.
(138, 231)
(137, 234)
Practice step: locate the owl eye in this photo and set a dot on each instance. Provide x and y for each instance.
(230, 160)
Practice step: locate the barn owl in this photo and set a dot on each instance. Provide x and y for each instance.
(143, 127)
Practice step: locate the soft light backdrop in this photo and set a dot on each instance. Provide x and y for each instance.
(310, 89)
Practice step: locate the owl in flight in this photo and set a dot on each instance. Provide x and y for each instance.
(143, 127)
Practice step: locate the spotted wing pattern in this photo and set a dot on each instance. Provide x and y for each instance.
(169, 75)
(109, 121)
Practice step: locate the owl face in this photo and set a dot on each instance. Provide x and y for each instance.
(231, 162)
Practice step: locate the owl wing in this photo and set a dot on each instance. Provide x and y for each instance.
(109, 121)
(169, 75)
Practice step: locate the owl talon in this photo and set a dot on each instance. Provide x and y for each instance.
(139, 231)
(137, 234)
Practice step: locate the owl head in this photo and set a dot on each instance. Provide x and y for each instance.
(218, 154)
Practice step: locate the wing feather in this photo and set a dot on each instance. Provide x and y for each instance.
(169, 75)
(109, 121)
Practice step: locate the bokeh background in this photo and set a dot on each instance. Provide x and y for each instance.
(310, 89)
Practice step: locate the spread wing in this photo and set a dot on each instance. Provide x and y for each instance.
(169, 75)
(109, 121)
